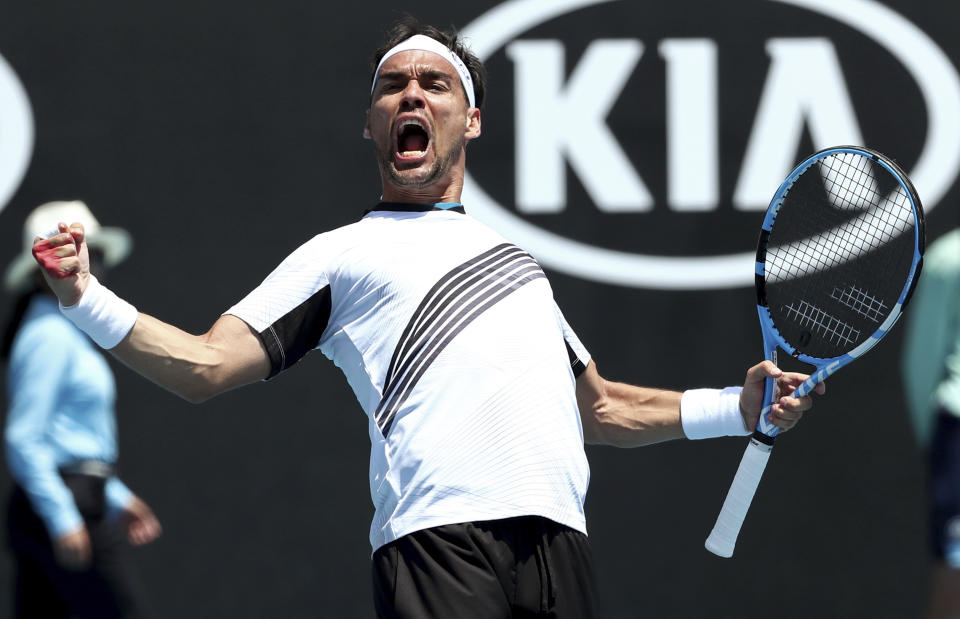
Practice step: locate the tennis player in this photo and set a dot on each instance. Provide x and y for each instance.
(479, 395)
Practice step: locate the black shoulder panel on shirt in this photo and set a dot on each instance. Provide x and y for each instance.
(297, 332)
(575, 363)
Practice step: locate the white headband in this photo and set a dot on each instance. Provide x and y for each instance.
(428, 44)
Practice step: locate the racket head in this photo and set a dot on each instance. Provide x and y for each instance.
(839, 254)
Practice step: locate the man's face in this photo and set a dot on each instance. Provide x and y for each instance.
(419, 120)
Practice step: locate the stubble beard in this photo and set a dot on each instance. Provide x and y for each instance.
(442, 163)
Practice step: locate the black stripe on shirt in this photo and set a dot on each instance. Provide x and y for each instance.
(440, 290)
(442, 302)
(410, 382)
(297, 332)
(454, 302)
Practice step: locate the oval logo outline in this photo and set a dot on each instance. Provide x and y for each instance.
(16, 132)
(933, 174)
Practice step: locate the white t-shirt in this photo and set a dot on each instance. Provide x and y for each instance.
(450, 338)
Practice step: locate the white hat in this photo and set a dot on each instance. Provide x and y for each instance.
(115, 243)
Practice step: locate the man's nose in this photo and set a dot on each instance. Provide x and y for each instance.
(412, 96)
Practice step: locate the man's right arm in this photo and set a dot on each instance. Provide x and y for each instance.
(195, 367)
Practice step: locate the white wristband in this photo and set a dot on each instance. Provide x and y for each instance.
(708, 413)
(102, 315)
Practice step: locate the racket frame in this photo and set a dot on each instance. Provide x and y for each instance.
(724, 534)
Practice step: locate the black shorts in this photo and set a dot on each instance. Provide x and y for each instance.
(945, 489)
(496, 569)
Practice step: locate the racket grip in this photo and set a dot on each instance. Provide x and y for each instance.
(723, 537)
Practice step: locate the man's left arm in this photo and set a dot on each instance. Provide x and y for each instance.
(625, 415)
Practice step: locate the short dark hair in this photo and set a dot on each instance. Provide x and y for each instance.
(408, 26)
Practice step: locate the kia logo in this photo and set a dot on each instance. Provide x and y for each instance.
(16, 132)
(804, 88)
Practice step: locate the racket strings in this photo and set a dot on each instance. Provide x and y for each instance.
(850, 184)
(861, 302)
(842, 238)
(832, 328)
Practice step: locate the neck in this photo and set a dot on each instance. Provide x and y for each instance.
(424, 195)
(446, 188)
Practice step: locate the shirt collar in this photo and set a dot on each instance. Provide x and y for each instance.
(409, 207)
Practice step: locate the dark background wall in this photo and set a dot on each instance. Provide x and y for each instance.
(224, 134)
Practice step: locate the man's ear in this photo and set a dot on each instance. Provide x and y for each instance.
(472, 129)
(366, 126)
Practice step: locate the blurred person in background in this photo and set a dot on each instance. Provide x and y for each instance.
(68, 513)
(931, 370)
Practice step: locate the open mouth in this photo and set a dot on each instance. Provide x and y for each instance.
(412, 140)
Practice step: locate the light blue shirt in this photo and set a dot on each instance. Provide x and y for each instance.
(61, 410)
(931, 357)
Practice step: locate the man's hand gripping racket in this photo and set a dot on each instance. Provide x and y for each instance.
(840, 252)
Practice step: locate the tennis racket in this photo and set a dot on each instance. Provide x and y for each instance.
(840, 251)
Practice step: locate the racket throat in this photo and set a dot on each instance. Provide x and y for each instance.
(761, 440)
